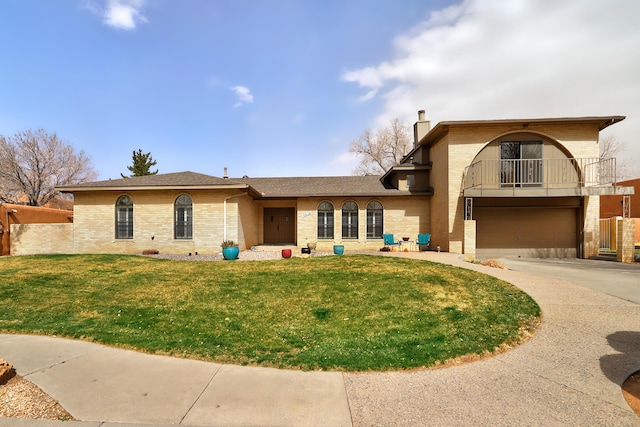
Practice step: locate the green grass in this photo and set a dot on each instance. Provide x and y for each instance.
(352, 312)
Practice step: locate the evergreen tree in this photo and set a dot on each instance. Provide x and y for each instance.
(142, 163)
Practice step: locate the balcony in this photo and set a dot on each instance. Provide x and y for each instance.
(542, 178)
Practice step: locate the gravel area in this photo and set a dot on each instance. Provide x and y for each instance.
(248, 255)
(20, 398)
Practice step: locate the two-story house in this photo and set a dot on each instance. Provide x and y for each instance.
(495, 187)
(531, 186)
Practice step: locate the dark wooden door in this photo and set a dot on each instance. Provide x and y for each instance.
(279, 225)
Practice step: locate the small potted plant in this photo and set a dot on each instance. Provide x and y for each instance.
(230, 249)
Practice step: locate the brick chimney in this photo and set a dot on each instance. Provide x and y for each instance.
(420, 128)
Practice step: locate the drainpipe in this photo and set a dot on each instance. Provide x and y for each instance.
(7, 212)
(1, 226)
(7, 227)
(224, 221)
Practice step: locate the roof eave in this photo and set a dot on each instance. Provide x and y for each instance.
(301, 196)
(153, 187)
(440, 129)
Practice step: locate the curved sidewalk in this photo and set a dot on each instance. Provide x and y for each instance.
(569, 373)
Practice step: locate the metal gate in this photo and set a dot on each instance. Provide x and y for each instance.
(605, 233)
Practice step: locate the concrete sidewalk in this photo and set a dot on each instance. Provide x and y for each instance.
(97, 383)
(569, 373)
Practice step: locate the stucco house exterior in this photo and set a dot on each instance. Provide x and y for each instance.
(12, 215)
(614, 208)
(487, 188)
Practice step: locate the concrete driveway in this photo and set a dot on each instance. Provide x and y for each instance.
(612, 278)
(568, 374)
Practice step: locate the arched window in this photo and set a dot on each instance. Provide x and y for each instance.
(124, 218)
(350, 220)
(325, 220)
(183, 213)
(374, 220)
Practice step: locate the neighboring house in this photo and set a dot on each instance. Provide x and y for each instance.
(495, 187)
(613, 206)
(12, 214)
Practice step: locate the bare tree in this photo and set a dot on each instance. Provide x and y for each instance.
(380, 150)
(33, 163)
(612, 147)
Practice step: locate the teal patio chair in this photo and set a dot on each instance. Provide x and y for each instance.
(424, 240)
(388, 240)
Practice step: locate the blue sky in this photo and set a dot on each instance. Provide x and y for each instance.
(282, 87)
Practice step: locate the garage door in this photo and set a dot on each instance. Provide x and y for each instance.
(531, 232)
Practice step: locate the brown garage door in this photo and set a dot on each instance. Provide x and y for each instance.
(532, 232)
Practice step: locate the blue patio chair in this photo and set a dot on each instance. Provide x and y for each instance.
(388, 240)
(424, 240)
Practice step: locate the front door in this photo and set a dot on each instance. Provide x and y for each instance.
(279, 225)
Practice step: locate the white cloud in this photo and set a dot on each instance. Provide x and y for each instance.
(124, 14)
(244, 96)
(490, 59)
(343, 161)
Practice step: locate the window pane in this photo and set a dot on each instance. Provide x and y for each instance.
(325, 220)
(183, 227)
(350, 220)
(124, 218)
(521, 163)
(374, 220)
(531, 150)
(531, 168)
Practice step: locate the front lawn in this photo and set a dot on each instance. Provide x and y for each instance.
(347, 313)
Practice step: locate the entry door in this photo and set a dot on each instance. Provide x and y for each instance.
(279, 225)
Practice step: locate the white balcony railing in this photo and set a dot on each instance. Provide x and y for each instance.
(496, 177)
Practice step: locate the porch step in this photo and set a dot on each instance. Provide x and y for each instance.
(605, 257)
(274, 248)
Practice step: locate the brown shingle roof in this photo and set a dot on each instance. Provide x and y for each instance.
(262, 187)
(167, 180)
(321, 186)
